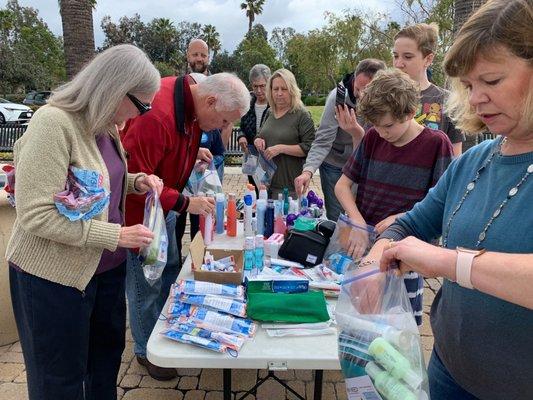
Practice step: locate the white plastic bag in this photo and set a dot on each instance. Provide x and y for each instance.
(154, 256)
(379, 343)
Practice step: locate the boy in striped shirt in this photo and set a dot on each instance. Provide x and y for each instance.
(395, 165)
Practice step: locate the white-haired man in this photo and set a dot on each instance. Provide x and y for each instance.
(167, 140)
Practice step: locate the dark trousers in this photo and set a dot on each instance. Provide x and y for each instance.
(181, 222)
(442, 386)
(72, 341)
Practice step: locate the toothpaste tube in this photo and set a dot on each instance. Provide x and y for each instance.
(199, 287)
(300, 332)
(285, 263)
(219, 303)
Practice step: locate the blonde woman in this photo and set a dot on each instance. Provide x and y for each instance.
(413, 53)
(67, 278)
(483, 314)
(287, 133)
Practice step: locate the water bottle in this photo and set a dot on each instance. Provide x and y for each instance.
(248, 231)
(269, 219)
(260, 215)
(220, 199)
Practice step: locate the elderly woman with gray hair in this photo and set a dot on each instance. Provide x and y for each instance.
(67, 277)
(254, 118)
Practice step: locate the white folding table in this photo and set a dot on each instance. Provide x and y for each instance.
(261, 352)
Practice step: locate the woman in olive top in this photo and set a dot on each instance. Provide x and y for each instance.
(67, 277)
(287, 133)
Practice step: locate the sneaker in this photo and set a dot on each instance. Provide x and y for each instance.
(158, 373)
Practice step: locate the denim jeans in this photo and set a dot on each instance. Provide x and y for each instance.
(441, 384)
(329, 175)
(146, 301)
(72, 341)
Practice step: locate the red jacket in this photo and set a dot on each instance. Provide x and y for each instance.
(154, 146)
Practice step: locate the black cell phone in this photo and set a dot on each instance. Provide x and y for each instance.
(341, 95)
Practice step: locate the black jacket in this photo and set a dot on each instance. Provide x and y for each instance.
(249, 122)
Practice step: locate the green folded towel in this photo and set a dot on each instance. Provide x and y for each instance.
(287, 307)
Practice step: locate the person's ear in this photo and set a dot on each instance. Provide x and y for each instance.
(211, 101)
(429, 60)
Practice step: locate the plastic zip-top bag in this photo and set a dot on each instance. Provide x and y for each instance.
(349, 242)
(379, 344)
(264, 169)
(154, 256)
(203, 179)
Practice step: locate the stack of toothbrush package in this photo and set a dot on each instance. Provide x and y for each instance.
(209, 315)
(379, 343)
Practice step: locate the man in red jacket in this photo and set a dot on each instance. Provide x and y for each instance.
(165, 141)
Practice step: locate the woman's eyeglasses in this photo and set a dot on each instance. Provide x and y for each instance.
(142, 107)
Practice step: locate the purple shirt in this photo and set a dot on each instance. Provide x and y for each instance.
(117, 173)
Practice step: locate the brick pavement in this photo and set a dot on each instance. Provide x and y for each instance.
(205, 384)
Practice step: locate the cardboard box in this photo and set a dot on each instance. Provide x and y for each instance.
(197, 250)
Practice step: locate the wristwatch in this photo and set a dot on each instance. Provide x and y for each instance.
(463, 266)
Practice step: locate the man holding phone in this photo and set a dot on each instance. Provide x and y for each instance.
(333, 146)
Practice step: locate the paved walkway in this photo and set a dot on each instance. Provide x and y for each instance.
(195, 384)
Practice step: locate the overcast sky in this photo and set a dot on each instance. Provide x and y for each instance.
(226, 15)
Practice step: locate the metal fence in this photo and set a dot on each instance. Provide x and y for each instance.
(9, 133)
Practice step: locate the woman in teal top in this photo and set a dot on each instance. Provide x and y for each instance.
(482, 318)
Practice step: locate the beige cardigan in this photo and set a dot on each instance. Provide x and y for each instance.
(43, 242)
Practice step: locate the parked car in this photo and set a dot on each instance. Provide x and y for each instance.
(13, 112)
(37, 98)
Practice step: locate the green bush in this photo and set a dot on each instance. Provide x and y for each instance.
(310, 101)
(321, 101)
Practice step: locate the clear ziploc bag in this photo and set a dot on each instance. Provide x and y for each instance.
(204, 178)
(264, 170)
(154, 256)
(349, 242)
(379, 343)
(249, 163)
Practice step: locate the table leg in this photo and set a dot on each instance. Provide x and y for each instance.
(318, 384)
(226, 379)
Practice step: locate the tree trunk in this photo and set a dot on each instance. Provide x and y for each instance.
(250, 22)
(78, 34)
(462, 10)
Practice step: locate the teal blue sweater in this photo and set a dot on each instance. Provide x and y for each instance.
(485, 343)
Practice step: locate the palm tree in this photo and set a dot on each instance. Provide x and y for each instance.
(253, 8)
(212, 38)
(78, 33)
(462, 10)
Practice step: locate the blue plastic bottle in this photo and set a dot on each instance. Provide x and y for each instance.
(220, 212)
(285, 201)
(269, 219)
(260, 215)
(249, 256)
(259, 253)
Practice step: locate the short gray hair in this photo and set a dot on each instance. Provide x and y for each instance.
(96, 92)
(231, 93)
(259, 71)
